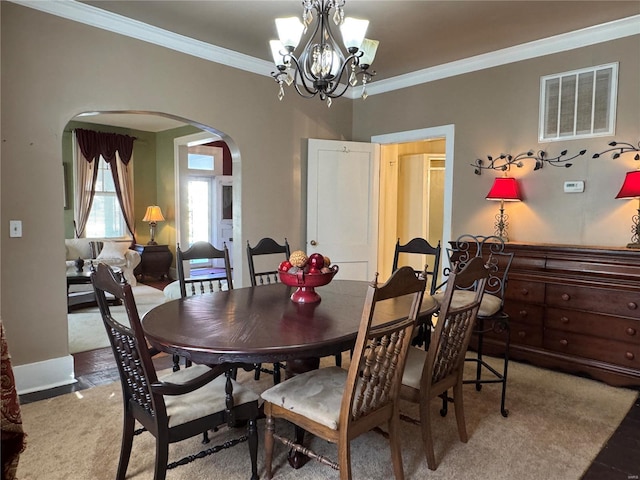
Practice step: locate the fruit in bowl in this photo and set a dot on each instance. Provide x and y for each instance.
(306, 272)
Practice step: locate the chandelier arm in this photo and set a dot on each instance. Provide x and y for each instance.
(303, 80)
(321, 30)
(355, 58)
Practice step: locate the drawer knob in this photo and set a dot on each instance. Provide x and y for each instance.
(522, 334)
(631, 331)
(524, 291)
(566, 296)
(564, 342)
(630, 355)
(632, 305)
(523, 313)
(564, 319)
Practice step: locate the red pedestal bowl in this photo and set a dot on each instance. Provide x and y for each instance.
(306, 284)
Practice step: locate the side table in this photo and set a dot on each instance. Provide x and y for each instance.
(155, 261)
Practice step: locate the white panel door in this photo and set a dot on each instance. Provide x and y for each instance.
(342, 205)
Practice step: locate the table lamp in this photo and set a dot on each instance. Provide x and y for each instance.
(153, 215)
(504, 189)
(631, 189)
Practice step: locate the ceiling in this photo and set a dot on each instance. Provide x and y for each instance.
(413, 35)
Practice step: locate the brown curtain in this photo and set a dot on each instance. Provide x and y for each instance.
(110, 146)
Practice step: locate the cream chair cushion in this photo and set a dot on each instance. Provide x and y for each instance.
(316, 395)
(207, 400)
(416, 359)
(489, 305)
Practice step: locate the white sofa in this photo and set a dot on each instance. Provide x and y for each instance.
(115, 253)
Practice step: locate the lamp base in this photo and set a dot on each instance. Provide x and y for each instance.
(633, 245)
(152, 242)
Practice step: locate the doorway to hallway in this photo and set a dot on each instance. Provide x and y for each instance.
(416, 177)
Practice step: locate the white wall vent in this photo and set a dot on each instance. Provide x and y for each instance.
(578, 104)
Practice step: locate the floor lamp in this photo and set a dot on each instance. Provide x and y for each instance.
(631, 189)
(504, 189)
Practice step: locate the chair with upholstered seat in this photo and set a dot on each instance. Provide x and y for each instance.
(270, 251)
(429, 255)
(429, 374)
(174, 407)
(338, 405)
(201, 284)
(491, 316)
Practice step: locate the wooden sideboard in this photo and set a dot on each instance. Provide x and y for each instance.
(575, 309)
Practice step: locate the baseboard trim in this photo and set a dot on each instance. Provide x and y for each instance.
(34, 377)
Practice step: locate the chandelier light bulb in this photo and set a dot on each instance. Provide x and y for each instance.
(353, 32)
(289, 31)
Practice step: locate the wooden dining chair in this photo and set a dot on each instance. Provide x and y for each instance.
(271, 251)
(492, 319)
(174, 407)
(201, 284)
(428, 255)
(429, 374)
(338, 405)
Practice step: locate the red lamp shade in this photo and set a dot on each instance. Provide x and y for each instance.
(631, 186)
(505, 188)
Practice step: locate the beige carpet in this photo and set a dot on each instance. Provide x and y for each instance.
(557, 425)
(86, 330)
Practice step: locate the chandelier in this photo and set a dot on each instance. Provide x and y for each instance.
(321, 66)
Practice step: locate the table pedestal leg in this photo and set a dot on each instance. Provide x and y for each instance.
(294, 367)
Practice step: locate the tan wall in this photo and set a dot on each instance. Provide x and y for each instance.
(53, 69)
(496, 111)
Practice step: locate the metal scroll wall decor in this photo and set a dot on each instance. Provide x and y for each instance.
(504, 161)
(630, 187)
(618, 148)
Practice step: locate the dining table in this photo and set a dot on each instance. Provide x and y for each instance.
(262, 324)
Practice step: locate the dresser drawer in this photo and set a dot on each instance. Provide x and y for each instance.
(611, 351)
(593, 324)
(526, 334)
(521, 333)
(524, 312)
(601, 300)
(526, 291)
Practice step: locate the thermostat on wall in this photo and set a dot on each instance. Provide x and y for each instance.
(574, 186)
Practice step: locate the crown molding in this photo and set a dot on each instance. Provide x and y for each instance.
(604, 32)
(96, 17)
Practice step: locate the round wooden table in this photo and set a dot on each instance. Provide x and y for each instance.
(262, 325)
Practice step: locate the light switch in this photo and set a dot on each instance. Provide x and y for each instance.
(15, 228)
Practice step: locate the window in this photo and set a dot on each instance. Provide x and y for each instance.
(578, 104)
(106, 219)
